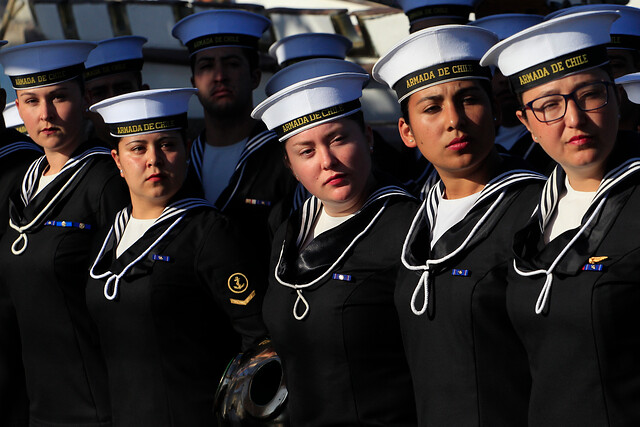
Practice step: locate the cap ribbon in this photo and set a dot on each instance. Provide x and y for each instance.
(317, 116)
(113, 68)
(438, 73)
(440, 10)
(213, 40)
(558, 67)
(45, 78)
(154, 124)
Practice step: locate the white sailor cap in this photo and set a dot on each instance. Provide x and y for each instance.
(218, 28)
(309, 69)
(417, 10)
(507, 24)
(12, 118)
(115, 55)
(435, 55)
(45, 63)
(299, 47)
(145, 111)
(309, 103)
(625, 32)
(631, 85)
(553, 49)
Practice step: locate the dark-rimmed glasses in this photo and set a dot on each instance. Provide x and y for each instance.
(550, 108)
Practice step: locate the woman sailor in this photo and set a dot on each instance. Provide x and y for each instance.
(66, 200)
(574, 286)
(467, 365)
(329, 305)
(171, 292)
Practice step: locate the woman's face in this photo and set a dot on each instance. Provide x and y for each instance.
(580, 141)
(153, 165)
(333, 162)
(452, 124)
(53, 115)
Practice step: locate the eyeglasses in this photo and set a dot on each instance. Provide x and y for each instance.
(550, 108)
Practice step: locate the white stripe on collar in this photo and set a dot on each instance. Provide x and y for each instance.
(177, 209)
(548, 203)
(429, 209)
(16, 146)
(30, 183)
(311, 209)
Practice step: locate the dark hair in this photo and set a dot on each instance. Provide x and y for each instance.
(252, 55)
(404, 105)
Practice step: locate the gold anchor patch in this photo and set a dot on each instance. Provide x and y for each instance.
(238, 283)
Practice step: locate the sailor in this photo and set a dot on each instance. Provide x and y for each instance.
(173, 296)
(574, 286)
(467, 365)
(623, 51)
(17, 151)
(235, 159)
(511, 135)
(329, 306)
(113, 68)
(65, 200)
(430, 13)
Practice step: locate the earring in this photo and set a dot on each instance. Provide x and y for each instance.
(411, 140)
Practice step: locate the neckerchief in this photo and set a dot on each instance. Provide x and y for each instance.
(494, 192)
(253, 144)
(29, 213)
(301, 270)
(163, 225)
(548, 203)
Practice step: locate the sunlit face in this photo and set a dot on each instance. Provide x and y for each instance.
(224, 80)
(452, 125)
(333, 162)
(105, 87)
(53, 115)
(154, 166)
(580, 141)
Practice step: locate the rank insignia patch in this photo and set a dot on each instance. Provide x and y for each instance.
(343, 277)
(164, 258)
(457, 272)
(238, 283)
(243, 301)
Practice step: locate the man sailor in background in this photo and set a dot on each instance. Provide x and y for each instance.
(237, 161)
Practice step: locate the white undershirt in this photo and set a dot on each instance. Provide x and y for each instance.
(45, 180)
(572, 205)
(218, 164)
(323, 223)
(450, 212)
(133, 231)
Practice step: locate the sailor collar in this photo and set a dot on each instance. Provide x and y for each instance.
(302, 270)
(254, 143)
(477, 225)
(17, 146)
(567, 250)
(114, 271)
(26, 218)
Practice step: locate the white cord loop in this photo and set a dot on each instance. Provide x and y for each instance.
(422, 283)
(295, 306)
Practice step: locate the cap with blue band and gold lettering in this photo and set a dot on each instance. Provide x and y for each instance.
(115, 55)
(435, 55)
(625, 31)
(507, 24)
(145, 111)
(553, 49)
(12, 119)
(418, 10)
(45, 63)
(631, 85)
(220, 28)
(311, 102)
(299, 47)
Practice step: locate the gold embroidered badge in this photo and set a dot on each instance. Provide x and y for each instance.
(597, 259)
(238, 283)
